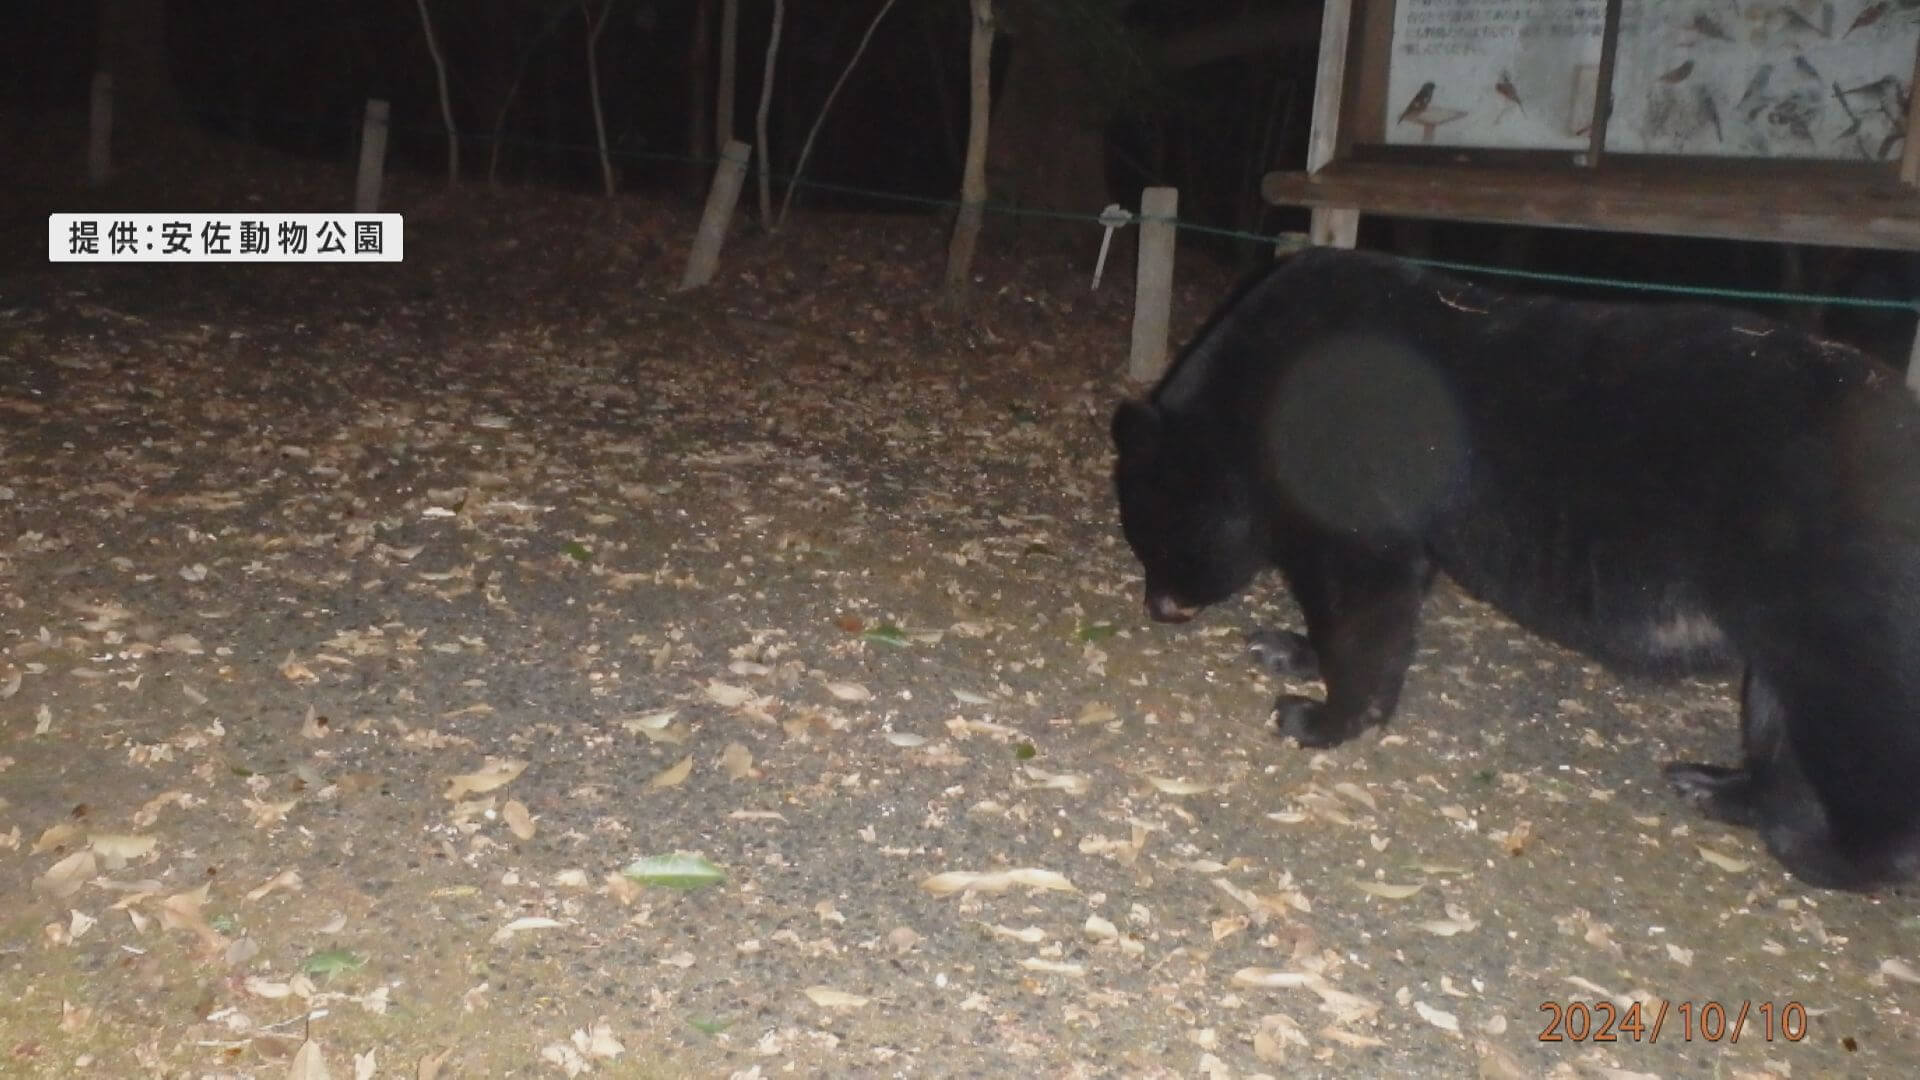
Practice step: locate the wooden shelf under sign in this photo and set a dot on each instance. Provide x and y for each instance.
(1844, 207)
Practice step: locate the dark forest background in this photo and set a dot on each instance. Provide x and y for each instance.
(1092, 100)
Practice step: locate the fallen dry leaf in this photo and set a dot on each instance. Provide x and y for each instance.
(285, 879)
(955, 881)
(1516, 839)
(308, 1063)
(597, 1041)
(1345, 1006)
(1070, 783)
(118, 849)
(1178, 787)
(182, 911)
(497, 772)
(268, 989)
(1356, 793)
(296, 671)
(64, 835)
(1054, 967)
(149, 811)
(828, 998)
(674, 775)
(65, 877)
(1446, 927)
(521, 925)
(268, 814)
(1439, 1018)
(519, 820)
(727, 694)
(430, 1064)
(1896, 968)
(1725, 862)
(1387, 890)
(849, 691)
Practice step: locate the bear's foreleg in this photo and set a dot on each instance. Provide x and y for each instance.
(1362, 610)
(1740, 796)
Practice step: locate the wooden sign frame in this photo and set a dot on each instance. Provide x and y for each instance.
(1350, 172)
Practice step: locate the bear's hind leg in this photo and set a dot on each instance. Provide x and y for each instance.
(1362, 610)
(1772, 793)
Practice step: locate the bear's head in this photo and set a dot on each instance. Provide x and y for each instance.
(1188, 515)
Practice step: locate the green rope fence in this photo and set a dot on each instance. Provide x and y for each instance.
(1708, 292)
(1715, 292)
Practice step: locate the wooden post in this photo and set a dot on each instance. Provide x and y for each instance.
(1913, 364)
(1603, 85)
(1153, 284)
(100, 130)
(1910, 153)
(1910, 176)
(722, 196)
(1333, 226)
(1338, 226)
(373, 157)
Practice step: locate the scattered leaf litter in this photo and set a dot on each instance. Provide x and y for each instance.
(432, 602)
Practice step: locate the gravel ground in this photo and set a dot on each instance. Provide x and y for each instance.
(358, 629)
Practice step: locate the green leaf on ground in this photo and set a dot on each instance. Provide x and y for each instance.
(676, 871)
(332, 962)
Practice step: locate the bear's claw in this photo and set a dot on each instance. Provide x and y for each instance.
(1284, 653)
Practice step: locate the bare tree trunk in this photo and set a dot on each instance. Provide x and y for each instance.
(699, 90)
(973, 181)
(729, 45)
(513, 91)
(807, 147)
(760, 119)
(595, 24)
(446, 98)
(133, 47)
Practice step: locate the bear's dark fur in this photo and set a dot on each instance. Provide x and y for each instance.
(1661, 487)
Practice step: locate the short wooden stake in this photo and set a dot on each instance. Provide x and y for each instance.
(1335, 226)
(722, 196)
(1153, 285)
(373, 157)
(1913, 364)
(1910, 153)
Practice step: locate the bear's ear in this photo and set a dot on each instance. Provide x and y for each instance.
(1136, 429)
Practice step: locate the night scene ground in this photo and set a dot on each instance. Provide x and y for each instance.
(364, 629)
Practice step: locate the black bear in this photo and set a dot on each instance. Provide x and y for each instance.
(1661, 487)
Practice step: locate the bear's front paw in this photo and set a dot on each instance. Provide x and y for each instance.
(1721, 792)
(1310, 723)
(1284, 653)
